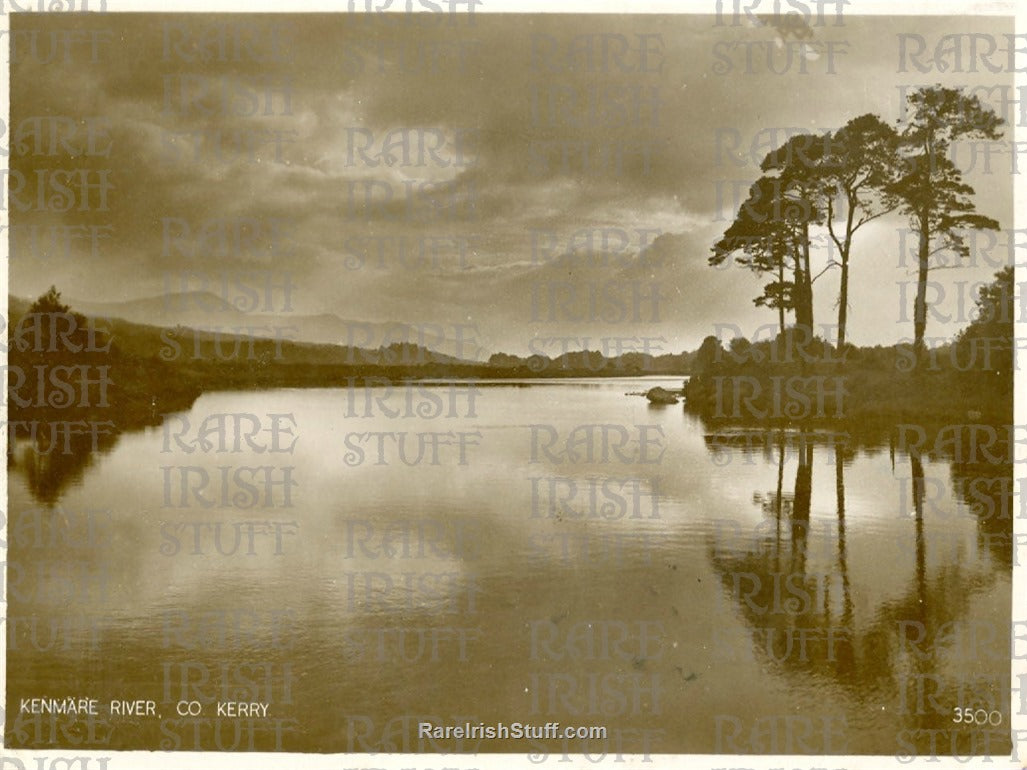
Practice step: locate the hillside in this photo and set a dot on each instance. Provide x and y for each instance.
(133, 373)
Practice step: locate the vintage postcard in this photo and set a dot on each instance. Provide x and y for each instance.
(433, 384)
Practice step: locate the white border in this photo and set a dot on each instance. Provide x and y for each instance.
(251, 761)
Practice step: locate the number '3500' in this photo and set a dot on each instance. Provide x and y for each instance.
(969, 716)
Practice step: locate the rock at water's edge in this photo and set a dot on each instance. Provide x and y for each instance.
(661, 396)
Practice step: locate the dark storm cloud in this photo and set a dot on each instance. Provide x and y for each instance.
(493, 101)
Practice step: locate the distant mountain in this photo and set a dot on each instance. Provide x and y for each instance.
(206, 310)
(190, 343)
(240, 353)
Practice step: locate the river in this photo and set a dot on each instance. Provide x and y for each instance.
(356, 562)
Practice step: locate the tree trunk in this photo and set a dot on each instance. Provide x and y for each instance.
(807, 278)
(843, 289)
(780, 303)
(843, 304)
(920, 305)
(802, 317)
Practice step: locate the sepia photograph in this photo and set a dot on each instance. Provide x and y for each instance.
(425, 382)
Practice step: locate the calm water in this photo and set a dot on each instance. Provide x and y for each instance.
(688, 592)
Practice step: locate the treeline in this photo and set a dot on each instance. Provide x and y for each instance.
(799, 378)
(824, 188)
(67, 367)
(840, 181)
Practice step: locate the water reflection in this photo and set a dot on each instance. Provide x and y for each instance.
(857, 572)
(52, 463)
(910, 655)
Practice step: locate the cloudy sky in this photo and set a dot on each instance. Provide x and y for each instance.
(298, 121)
